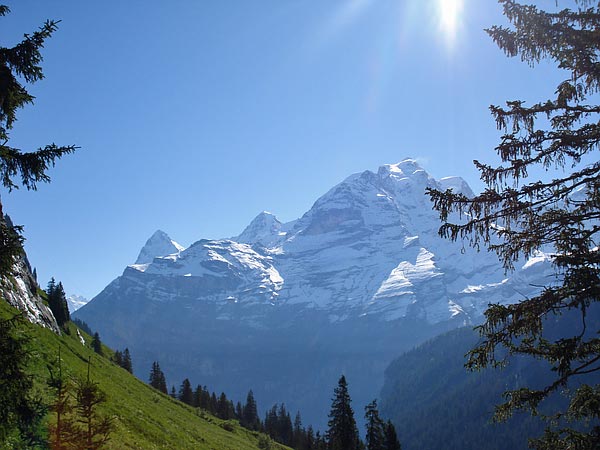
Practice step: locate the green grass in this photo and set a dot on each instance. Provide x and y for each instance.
(143, 417)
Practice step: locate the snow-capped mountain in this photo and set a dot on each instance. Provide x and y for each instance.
(358, 278)
(74, 302)
(159, 244)
(264, 230)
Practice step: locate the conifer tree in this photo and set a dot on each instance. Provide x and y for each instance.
(126, 364)
(391, 438)
(284, 422)
(239, 411)
(63, 306)
(157, 378)
(298, 439)
(20, 413)
(225, 409)
(97, 344)
(516, 216)
(198, 396)
(310, 438)
(51, 287)
(186, 395)
(272, 422)
(321, 442)
(205, 399)
(18, 65)
(213, 403)
(118, 358)
(94, 431)
(173, 392)
(342, 433)
(57, 301)
(375, 439)
(251, 420)
(63, 433)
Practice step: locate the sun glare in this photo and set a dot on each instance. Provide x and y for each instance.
(449, 11)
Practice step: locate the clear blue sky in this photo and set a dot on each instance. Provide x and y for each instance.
(194, 116)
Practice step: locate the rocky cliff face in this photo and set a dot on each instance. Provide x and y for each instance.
(283, 309)
(20, 289)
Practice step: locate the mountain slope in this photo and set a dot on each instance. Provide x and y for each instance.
(143, 417)
(283, 309)
(430, 385)
(434, 402)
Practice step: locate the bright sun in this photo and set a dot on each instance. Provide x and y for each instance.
(449, 11)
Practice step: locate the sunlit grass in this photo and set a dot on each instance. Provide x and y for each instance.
(144, 418)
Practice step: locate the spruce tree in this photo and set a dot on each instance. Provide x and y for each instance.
(224, 408)
(239, 411)
(57, 302)
(298, 435)
(251, 420)
(62, 305)
(272, 422)
(213, 404)
(157, 378)
(118, 358)
(20, 412)
(375, 439)
(342, 433)
(205, 399)
(310, 438)
(97, 344)
(516, 216)
(126, 363)
(186, 395)
(391, 438)
(51, 286)
(94, 431)
(20, 65)
(198, 396)
(63, 432)
(284, 421)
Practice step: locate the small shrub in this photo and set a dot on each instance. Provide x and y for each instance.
(264, 443)
(228, 426)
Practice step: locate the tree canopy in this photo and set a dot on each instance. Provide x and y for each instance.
(21, 413)
(342, 433)
(558, 214)
(57, 301)
(19, 66)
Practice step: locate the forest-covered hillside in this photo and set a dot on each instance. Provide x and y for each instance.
(435, 403)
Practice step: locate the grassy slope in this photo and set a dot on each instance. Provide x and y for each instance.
(143, 417)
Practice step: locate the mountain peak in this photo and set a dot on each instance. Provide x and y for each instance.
(408, 168)
(159, 244)
(457, 184)
(74, 302)
(264, 229)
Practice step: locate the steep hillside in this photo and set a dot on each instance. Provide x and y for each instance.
(143, 417)
(435, 403)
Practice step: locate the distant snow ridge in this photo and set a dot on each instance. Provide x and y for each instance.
(75, 302)
(369, 246)
(159, 244)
